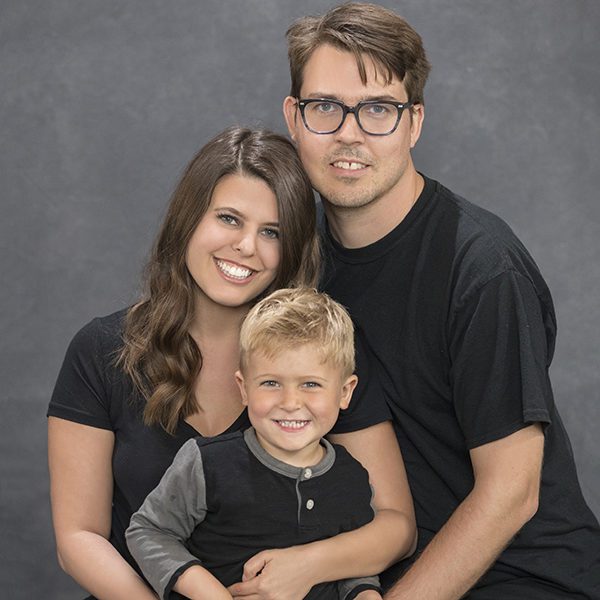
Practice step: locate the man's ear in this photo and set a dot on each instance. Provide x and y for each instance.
(239, 379)
(290, 114)
(416, 123)
(347, 389)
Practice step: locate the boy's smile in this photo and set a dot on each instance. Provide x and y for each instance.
(293, 400)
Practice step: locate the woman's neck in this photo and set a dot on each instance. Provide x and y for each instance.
(214, 321)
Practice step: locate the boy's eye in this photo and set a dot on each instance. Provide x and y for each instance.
(272, 234)
(311, 384)
(269, 383)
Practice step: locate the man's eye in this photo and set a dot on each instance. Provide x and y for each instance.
(325, 107)
(377, 110)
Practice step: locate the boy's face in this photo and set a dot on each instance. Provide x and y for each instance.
(293, 400)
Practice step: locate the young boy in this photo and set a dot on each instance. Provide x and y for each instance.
(277, 484)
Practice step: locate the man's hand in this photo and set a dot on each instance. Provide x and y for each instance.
(275, 575)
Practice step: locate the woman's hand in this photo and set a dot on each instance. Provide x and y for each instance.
(275, 575)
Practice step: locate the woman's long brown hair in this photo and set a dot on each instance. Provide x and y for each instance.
(159, 354)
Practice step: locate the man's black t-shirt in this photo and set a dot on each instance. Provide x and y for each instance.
(455, 330)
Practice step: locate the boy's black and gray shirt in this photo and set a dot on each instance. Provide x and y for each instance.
(223, 500)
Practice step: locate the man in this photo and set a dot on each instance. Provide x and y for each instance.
(454, 322)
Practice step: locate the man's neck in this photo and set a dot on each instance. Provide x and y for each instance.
(358, 227)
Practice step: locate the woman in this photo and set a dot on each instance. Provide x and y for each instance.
(139, 383)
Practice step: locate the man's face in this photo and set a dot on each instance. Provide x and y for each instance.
(351, 168)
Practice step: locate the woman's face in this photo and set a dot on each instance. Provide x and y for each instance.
(234, 253)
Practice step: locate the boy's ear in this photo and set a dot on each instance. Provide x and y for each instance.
(239, 378)
(347, 389)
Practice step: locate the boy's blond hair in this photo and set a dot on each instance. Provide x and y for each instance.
(288, 318)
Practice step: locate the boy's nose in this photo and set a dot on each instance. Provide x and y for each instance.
(290, 400)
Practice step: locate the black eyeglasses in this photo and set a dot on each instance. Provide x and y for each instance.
(375, 117)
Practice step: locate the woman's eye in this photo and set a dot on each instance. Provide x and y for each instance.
(227, 218)
(272, 234)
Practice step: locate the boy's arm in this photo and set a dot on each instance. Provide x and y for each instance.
(357, 588)
(166, 519)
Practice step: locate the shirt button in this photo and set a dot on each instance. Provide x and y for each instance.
(307, 473)
(310, 504)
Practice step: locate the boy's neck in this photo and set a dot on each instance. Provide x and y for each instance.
(309, 456)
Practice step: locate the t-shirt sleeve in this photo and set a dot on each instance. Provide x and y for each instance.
(81, 393)
(158, 531)
(367, 406)
(500, 358)
(348, 589)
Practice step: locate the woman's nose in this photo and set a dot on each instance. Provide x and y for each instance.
(246, 244)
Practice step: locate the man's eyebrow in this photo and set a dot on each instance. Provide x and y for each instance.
(366, 98)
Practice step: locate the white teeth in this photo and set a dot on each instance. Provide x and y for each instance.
(293, 424)
(234, 270)
(352, 166)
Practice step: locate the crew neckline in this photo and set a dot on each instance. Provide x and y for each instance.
(383, 245)
(283, 468)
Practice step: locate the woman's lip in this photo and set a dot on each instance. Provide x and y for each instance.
(233, 271)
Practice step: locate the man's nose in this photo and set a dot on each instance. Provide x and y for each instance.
(350, 132)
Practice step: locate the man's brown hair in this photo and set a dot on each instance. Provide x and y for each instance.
(364, 30)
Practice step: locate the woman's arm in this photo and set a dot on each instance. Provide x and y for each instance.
(81, 488)
(365, 551)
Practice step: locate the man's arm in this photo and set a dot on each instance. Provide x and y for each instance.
(504, 497)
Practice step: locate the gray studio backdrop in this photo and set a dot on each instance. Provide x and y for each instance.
(102, 103)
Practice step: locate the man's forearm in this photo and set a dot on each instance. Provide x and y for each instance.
(462, 551)
(367, 550)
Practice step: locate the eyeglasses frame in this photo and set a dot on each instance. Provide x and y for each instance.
(400, 106)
